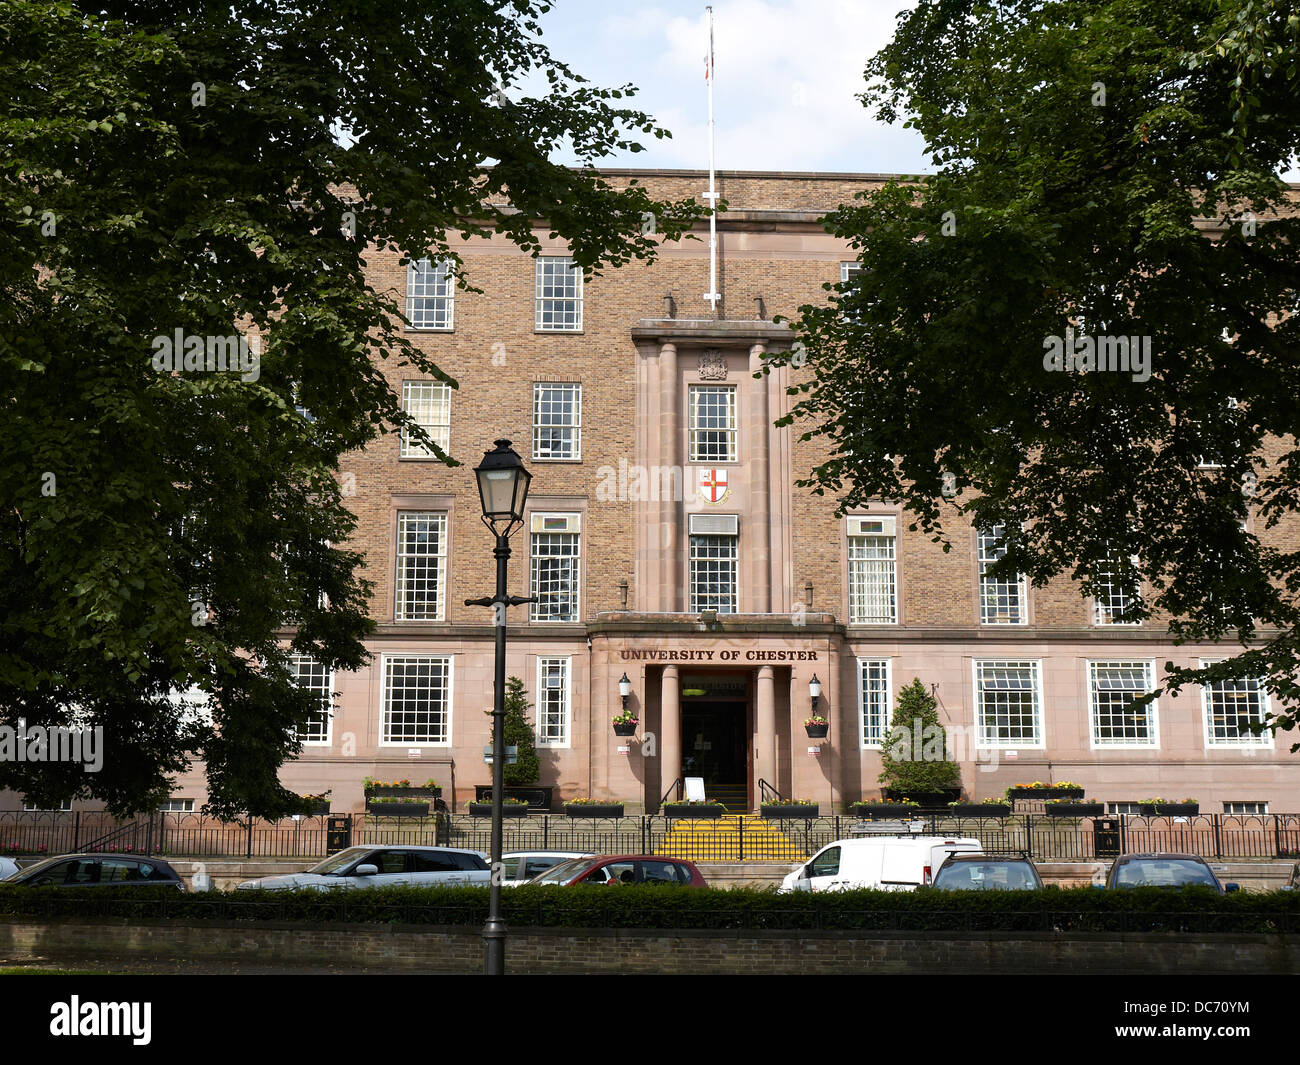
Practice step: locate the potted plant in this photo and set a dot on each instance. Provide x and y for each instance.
(587, 807)
(817, 727)
(400, 789)
(510, 807)
(1167, 808)
(914, 754)
(885, 808)
(1043, 791)
(986, 808)
(1074, 808)
(625, 724)
(686, 809)
(789, 809)
(393, 806)
(317, 805)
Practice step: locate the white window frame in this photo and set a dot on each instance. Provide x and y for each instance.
(167, 806)
(546, 306)
(1261, 811)
(64, 807)
(1249, 741)
(387, 662)
(437, 565)
(1152, 742)
(574, 428)
(886, 566)
(296, 663)
(534, 560)
(696, 602)
(887, 714)
(694, 430)
(990, 590)
(436, 399)
(565, 709)
(435, 283)
(1040, 740)
(1101, 614)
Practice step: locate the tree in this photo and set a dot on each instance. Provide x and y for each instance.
(519, 733)
(914, 755)
(191, 171)
(1101, 176)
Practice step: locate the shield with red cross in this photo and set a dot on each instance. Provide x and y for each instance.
(713, 485)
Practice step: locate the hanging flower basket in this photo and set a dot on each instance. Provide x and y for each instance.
(817, 732)
(625, 728)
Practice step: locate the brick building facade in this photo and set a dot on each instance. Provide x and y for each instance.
(668, 543)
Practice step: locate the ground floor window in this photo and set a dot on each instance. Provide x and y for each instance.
(874, 688)
(1008, 704)
(1245, 808)
(416, 699)
(553, 703)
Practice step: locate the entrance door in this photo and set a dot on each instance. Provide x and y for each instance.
(715, 738)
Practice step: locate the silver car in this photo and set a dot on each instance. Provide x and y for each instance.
(373, 867)
(519, 867)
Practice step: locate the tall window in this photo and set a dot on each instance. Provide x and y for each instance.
(873, 575)
(429, 402)
(874, 688)
(557, 421)
(553, 702)
(1112, 687)
(849, 271)
(416, 699)
(421, 565)
(559, 295)
(1113, 596)
(1002, 602)
(1231, 707)
(713, 573)
(1008, 704)
(310, 674)
(555, 553)
(429, 295)
(712, 419)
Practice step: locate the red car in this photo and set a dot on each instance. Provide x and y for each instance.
(624, 869)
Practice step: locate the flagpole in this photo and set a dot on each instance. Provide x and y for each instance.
(712, 296)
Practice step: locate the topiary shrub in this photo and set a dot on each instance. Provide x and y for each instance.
(914, 755)
(519, 733)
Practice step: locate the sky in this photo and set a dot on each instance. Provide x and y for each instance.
(786, 74)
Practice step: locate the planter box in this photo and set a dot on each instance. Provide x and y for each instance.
(416, 794)
(624, 730)
(484, 809)
(694, 813)
(1043, 794)
(1075, 809)
(883, 809)
(604, 809)
(817, 732)
(1169, 809)
(804, 811)
(537, 796)
(397, 809)
(318, 809)
(930, 800)
(981, 809)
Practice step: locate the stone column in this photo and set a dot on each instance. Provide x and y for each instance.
(670, 728)
(759, 536)
(666, 536)
(765, 760)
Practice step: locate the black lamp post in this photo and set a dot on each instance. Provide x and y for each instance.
(503, 489)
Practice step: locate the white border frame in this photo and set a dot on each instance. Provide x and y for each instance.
(1040, 722)
(1261, 743)
(1153, 708)
(383, 700)
(863, 745)
(568, 703)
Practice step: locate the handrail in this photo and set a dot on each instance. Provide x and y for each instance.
(675, 785)
(763, 791)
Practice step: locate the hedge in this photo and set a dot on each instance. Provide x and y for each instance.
(1190, 909)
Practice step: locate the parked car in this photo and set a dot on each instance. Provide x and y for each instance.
(624, 869)
(7, 868)
(98, 870)
(519, 867)
(887, 863)
(1164, 870)
(980, 872)
(372, 867)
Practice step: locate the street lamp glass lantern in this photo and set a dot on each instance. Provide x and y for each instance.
(624, 686)
(502, 487)
(815, 688)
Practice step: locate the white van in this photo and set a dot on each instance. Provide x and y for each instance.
(888, 863)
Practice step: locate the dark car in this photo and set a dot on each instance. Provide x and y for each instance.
(1164, 871)
(624, 869)
(99, 870)
(981, 872)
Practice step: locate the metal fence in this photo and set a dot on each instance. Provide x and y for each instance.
(1213, 836)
